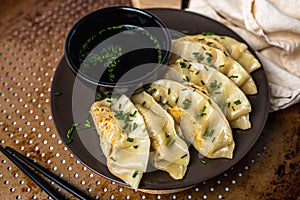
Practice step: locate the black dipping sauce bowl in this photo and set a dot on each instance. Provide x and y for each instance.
(117, 47)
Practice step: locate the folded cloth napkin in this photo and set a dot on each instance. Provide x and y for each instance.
(272, 29)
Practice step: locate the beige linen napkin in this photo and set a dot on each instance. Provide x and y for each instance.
(272, 29)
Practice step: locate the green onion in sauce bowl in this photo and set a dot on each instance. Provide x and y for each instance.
(118, 49)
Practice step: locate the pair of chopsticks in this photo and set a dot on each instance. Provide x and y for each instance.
(23, 163)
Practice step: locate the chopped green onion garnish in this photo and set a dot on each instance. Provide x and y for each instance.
(134, 174)
(160, 99)
(113, 159)
(133, 114)
(130, 126)
(115, 96)
(169, 90)
(130, 139)
(198, 56)
(208, 54)
(168, 104)
(224, 104)
(237, 102)
(182, 64)
(233, 108)
(214, 85)
(203, 161)
(145, 128)
(208, 33)
(109, 95)
(134, 126)
(202, 114)
(135, 146)
(209, 57)
(101, 153)
(209, 101)
(75, 124)
(187, 103)
(176, 101)
(209, 133)
(70, 131)
(213, 139)
(69, 141)
(186, 79)
(57, 94)
(152, 91)
(125, 126)
(212, 66)
(99, 96)
(87, 124)
(185, 155)
(233, 76)
(171, 142)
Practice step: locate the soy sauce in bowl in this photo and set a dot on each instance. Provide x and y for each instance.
(117, 46)
(123, 52)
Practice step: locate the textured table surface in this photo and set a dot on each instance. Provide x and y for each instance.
(32, 35)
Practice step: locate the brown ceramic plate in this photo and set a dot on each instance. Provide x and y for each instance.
(73, 104)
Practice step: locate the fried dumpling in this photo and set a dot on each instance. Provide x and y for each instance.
(194, 51)
(232, 101)
(170, 153)
(238, 51)
(124, 138)
(200, 119)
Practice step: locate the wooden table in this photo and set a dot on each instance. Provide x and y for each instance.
(32, 35)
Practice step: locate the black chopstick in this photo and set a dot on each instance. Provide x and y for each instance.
(37, 179)
(13, 155)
